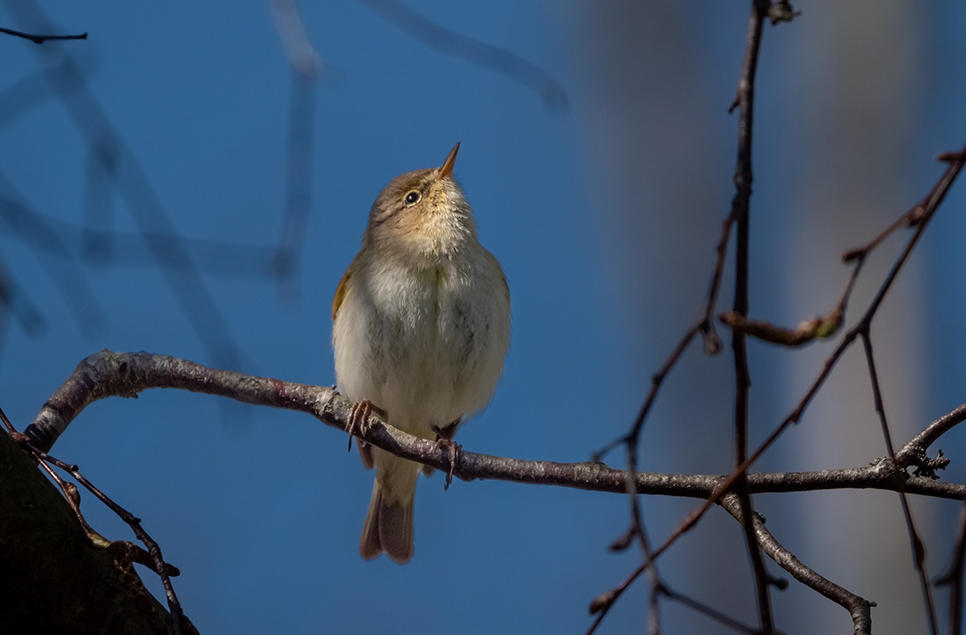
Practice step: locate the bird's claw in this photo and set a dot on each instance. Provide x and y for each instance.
(453, 449)
(358, 419)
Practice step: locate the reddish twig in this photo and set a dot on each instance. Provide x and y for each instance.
(806, 331)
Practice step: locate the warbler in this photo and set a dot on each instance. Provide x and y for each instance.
(421, 326)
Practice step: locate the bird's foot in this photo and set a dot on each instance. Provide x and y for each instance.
(444, 439)
(359, 416)
(444, 432)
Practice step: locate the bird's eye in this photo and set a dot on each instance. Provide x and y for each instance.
(412, 198)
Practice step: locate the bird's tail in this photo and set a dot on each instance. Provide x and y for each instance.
(389, 524)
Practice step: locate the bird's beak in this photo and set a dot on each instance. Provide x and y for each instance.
(450, 161)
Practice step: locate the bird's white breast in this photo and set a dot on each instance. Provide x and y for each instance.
(426, 344)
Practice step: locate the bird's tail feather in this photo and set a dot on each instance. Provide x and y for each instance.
(389, 526)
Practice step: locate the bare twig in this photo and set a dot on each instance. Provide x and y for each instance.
(928, 209)
(806, 331)
(499, 59)
(14, 299)
(163, 569)
(822, 327)
(660, 588)
(827, 325)
(69, 243)
(712, 346)
(918, 547)
(137, 192)
(909, 219)
(291, 31)
(307, 67)
(740, 208)
(160, 566)
(298, 190)
(858, 607)
(706, 610)
(931, 434)
(72, 282)
(40, 39)
(953, 577)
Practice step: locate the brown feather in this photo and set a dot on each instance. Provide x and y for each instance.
(388, 527)
(396, 530)
(370, 545)
(340, 292)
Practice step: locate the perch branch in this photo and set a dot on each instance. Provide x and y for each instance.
(108, 374)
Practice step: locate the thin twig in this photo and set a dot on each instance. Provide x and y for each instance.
(712, 346)
(162, 568)
(953, 577)
(806, 331)
(307, 66)
(639, 532)
(858, 607)
(708, 611)
(40, 39)
(918, 547)
(930, 435)
(827, 325)
(291, 31)
(501, 60)
(740, 210)
(928, 209)
(135, 189)
(906, 220)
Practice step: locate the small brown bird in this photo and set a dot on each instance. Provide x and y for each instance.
(421, 325)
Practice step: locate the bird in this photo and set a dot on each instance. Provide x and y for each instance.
(421, 327)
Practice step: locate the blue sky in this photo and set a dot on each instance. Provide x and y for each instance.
(262, 509)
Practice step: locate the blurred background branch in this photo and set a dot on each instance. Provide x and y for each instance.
(161, 187)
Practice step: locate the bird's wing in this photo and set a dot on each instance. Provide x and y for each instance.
(340, 292)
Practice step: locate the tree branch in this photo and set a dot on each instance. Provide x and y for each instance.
(740, 209)
(857, 607)
(107, 374)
